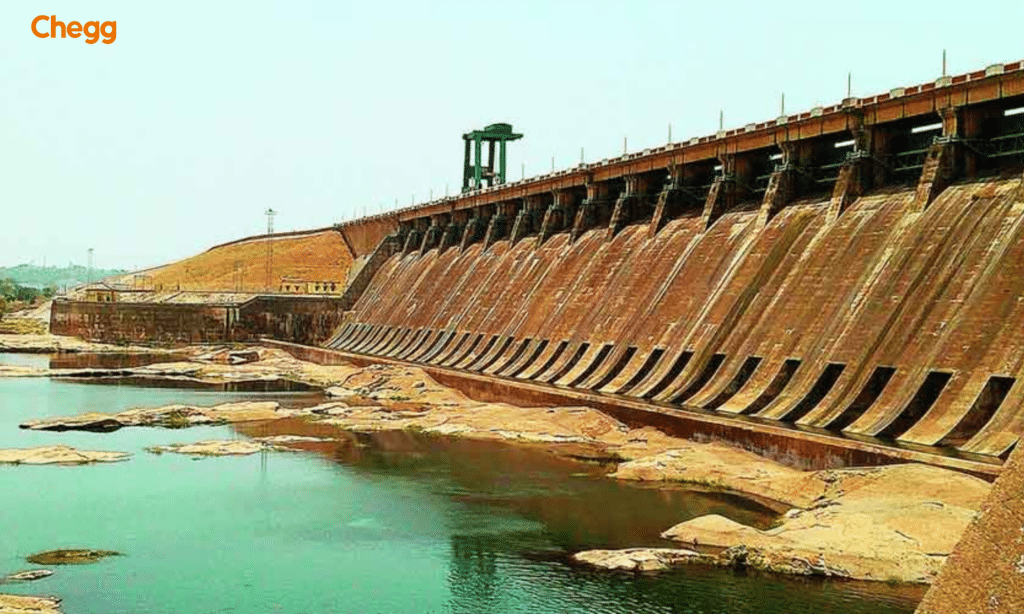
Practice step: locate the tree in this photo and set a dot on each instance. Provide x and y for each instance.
(8, 289)
(50, 292)
(26, 294)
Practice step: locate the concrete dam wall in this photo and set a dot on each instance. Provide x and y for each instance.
(885, 322)
(855, 271)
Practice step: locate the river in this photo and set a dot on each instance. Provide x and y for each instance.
(389, 523)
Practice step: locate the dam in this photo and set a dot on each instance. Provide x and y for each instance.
(852, 276)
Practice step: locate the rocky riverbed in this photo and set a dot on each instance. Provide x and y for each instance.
(895, 523)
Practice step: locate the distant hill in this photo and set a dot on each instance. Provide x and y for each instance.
(40, 276)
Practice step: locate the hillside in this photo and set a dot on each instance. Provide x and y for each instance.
(241, 266)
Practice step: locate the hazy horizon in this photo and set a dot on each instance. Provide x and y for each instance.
(195, 120)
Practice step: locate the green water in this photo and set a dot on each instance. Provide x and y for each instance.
(392, 523)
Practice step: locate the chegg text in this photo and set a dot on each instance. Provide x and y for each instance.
(47, 26)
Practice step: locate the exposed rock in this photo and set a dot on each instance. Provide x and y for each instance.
(212, 448)
(18, 604)
(638, 559)
(169, 416)
(894, 523)
(70, 557)
(290, 439)
(491, 421)
(720, 466)
(29, 575)
(58, 455)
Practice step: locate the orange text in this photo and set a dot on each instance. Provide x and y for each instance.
(93, 30)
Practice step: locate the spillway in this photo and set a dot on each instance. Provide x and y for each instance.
(871, 293)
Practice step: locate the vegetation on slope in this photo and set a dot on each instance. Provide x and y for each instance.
(242, 266)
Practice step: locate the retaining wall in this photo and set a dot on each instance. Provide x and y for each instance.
(299, 319)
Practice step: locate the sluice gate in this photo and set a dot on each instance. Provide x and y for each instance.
(856, 271)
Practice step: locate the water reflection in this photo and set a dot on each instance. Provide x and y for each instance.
(109, 361)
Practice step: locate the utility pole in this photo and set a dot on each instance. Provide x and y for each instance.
(239, 275)
(89, 276)
(270, 213)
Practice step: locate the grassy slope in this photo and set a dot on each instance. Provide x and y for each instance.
(320, 256)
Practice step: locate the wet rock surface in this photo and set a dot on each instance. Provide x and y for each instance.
(76, 556)
(29, 575)
(58, 455)
(212, 448)
(638, 559)
(168, 416)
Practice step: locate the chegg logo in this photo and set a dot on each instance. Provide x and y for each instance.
(92, 30)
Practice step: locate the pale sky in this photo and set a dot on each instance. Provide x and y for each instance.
(202, 114)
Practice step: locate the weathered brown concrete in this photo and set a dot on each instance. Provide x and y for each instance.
(302, 319)
(985, 572)
(884, 285)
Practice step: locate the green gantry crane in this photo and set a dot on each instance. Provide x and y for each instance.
(475, 173)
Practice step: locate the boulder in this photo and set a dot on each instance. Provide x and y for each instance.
(638, 559)
(29, 575)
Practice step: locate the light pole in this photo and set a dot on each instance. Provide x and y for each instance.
(270, 213)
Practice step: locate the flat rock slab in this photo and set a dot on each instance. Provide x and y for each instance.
(892, 523)
(18, 604)
(73, 556)
(213, 448)
(638, 559)
(168, 416)
(281, 440)
(58, 455)
(29, 575)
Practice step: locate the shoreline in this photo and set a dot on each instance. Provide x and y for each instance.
(856, 523)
